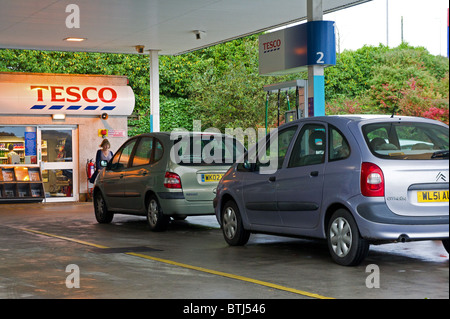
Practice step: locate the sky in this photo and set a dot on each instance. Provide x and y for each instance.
(424, 24)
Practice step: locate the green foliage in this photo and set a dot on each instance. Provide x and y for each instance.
(350, 77)
(405, 80)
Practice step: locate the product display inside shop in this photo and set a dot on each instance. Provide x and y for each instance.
(21, 183)
(27, 174)
(17, 145)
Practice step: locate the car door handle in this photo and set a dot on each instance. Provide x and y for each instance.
(314, 173)
(143, 173)
(272, 178)
(121, 176)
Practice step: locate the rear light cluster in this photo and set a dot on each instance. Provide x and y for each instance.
(172, 180)
(372, 180)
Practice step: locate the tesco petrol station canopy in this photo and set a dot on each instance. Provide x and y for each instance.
(170, 26)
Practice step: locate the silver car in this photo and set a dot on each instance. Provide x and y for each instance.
(353, 180)
(164, 175)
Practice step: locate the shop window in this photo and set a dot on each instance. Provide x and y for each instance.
(18, 145)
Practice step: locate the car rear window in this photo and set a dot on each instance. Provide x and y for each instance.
(206, 149)
(407, 141)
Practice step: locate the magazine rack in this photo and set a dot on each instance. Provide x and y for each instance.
(21, 184)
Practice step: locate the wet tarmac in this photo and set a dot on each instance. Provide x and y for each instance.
(59, 251)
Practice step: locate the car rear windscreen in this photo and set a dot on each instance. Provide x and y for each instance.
(206, 149)
(407, 141)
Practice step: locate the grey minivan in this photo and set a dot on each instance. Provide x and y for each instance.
(164, 175)
(353, 180)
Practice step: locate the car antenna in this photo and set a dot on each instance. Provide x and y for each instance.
(393, 112)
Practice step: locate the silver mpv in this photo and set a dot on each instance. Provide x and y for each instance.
(353, 180)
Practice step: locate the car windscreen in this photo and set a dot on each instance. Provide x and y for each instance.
(206, 149)
(407, 141)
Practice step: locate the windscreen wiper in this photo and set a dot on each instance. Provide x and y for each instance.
(439, 154)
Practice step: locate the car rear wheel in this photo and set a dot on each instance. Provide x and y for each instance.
(102, 214)
(155, 217)
(345, 244)
(232, 227)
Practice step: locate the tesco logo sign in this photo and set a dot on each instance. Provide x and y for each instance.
(271, 46)
(74, 94)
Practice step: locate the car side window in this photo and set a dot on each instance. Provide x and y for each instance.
(309, 148)
(143, 152)
(122, 157)
(338, 146)
(276, 159)
(159, 150)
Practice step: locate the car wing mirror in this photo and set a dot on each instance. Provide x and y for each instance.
(249, 166)
(103, 163)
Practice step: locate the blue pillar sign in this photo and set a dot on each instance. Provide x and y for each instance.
(293, 49)
(321, 43)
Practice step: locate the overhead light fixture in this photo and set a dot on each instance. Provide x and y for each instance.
(73, 39)
(139, 48)
(199, 34)
(59, 116)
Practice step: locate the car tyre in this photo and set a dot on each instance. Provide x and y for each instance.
(345, 244)
(232, 227)
(102, 214)
(445, 243)
(155, 217)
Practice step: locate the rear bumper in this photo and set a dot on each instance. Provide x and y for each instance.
(377, 222)
(174, 204)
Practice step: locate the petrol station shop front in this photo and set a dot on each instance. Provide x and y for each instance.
(54, 124)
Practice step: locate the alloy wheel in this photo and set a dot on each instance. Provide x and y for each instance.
(153, 212)
(341, 237)
(229, 222)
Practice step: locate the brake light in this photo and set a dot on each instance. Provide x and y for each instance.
(372, 180)
(172, 180)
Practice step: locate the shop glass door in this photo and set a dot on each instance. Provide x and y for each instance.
(57, 162)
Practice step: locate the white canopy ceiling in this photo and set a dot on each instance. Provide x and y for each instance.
(117, 26)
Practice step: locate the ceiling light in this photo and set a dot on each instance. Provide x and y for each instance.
(72, 39)
(59, 116)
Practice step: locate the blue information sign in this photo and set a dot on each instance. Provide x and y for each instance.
(30, 144)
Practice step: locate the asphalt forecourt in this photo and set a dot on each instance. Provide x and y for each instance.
(59, 251)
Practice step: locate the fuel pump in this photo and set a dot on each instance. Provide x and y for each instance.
(301, 103)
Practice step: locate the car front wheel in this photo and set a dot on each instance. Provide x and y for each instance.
(155, 217)
(102, 214)
(345, 244)
(232, 227)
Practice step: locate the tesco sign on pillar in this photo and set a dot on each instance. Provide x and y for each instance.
(292, 49)
(37, 98)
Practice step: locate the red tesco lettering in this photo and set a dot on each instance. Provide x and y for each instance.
(74, 94)
(272, 44)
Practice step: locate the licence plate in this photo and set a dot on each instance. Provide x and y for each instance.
(207, 178)
(432, 196)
